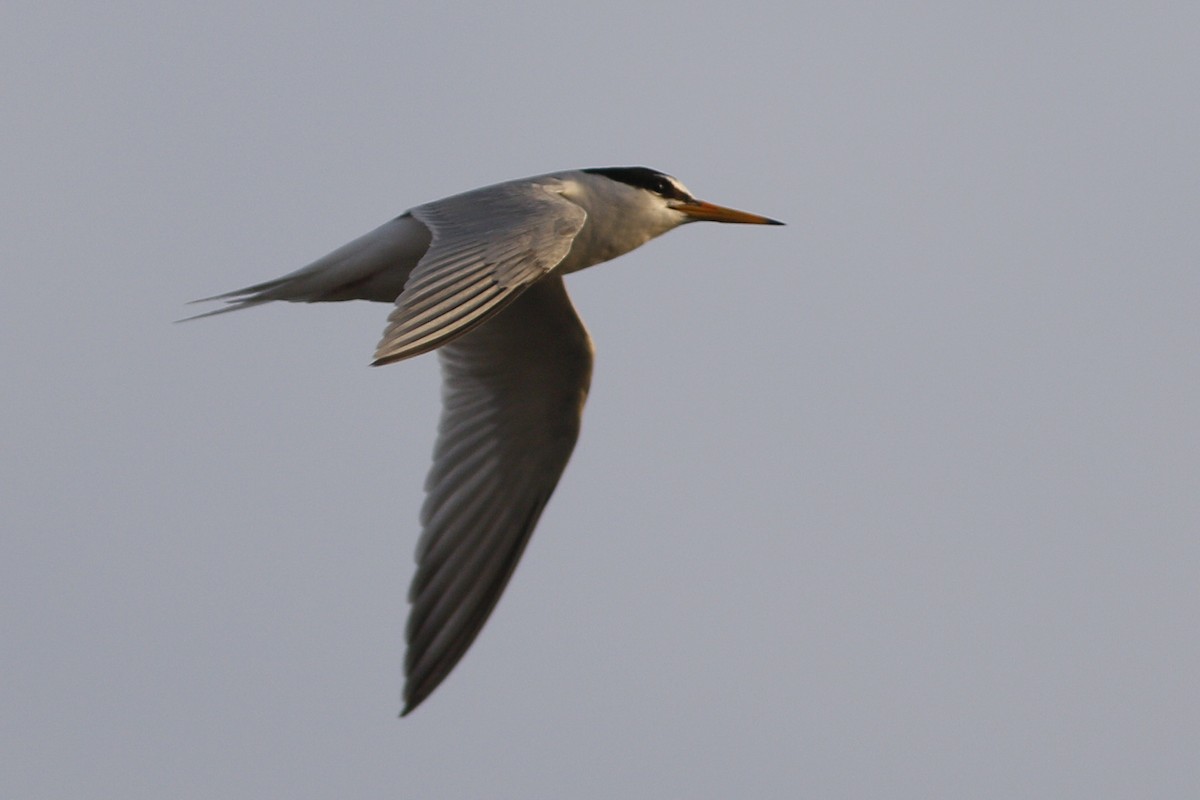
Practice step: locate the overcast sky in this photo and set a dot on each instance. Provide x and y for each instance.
(899, 501)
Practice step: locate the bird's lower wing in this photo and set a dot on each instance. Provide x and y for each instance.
(513, 396)
(488, 246)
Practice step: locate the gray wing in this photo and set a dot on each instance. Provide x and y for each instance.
(513, 397)
(488, 246)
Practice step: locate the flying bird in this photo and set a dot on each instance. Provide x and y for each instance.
(478, 277)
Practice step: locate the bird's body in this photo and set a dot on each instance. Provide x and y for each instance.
(478, 276)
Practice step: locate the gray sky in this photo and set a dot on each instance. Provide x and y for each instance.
(898, 501)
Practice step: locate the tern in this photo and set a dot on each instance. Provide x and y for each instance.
(478, 277)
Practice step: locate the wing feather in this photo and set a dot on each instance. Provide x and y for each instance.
(513, 396)
(487, 247)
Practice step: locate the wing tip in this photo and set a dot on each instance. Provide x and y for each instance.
(385, 355)
(415, 695)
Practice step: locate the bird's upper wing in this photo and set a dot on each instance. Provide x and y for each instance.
(488, 246)
(512, 401)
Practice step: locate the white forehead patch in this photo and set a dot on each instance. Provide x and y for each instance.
(683, 190)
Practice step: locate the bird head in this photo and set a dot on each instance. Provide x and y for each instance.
(676, 198)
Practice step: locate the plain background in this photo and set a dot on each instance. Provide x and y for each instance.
(899, 501)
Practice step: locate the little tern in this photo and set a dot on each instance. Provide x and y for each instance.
(478, 277)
